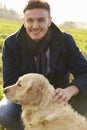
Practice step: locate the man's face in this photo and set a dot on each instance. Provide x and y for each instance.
(36, 22)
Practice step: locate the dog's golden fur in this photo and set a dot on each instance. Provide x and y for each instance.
(34, 93)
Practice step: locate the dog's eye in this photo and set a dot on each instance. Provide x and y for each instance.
(19, 84)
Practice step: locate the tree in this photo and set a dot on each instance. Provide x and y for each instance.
(8, 14)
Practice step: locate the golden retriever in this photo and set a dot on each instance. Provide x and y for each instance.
(34, 92)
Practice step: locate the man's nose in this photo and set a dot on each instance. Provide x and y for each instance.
(35, 25)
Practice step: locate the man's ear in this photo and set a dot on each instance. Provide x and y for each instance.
(50, 21)
(24, 22)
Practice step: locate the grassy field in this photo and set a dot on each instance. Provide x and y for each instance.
(7, 27)
(80, 36)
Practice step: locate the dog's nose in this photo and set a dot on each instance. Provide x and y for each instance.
(5, 91)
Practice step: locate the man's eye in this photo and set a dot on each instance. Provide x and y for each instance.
(30, 20)
(41, 20)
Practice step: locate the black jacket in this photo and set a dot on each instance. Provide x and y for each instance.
(64, 58)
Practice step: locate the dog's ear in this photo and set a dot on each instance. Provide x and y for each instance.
(33, 94)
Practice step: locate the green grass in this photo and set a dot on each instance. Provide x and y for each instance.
(7, 27)
(1, 90)
(80, 36)
(1, 128)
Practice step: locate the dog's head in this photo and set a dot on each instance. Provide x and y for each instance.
(29, 89)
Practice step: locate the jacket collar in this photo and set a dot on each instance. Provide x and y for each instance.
(57, 34)
(57, 41)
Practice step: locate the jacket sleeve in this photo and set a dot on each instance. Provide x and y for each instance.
(9, 64)
(77, 64)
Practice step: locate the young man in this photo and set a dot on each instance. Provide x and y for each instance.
(40, 47)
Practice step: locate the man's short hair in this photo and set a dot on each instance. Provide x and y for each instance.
(32, 4)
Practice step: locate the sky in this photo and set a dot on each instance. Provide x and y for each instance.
(61, 10)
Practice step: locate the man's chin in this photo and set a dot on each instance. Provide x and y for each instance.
(37, 39)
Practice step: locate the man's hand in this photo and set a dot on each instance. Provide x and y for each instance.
(64, 95)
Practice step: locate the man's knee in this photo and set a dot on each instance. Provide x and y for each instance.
(10, 114)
